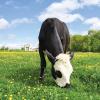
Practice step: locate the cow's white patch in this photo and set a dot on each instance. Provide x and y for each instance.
(64, 66)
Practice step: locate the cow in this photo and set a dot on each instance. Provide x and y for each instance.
(54, 41)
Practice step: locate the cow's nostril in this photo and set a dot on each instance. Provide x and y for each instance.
(67, 85)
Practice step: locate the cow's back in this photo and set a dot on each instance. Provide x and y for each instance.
(63, 34)
(54, 36)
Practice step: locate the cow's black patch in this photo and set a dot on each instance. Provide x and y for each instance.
(58, 74)
(53, 73)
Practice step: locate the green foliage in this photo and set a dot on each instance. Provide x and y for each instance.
(90, 42)
(3, 48)
(19, 78)
(95, 41)
(79, 43)
(23, 49)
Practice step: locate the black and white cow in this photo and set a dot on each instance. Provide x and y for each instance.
(54, 40)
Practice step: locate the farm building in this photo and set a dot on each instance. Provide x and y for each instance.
(28, 47)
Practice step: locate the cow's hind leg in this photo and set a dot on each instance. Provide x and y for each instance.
(42, 64)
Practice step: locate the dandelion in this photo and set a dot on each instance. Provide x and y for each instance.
(10, 97)
(23, 98)
(43, 99)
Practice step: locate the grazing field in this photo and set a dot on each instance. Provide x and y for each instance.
(19, 73)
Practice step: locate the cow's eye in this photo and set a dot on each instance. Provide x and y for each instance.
(58, 73)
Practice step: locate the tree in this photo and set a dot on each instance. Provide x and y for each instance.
(90, 42)
(4, 48)
(79, 43)
(95, 41)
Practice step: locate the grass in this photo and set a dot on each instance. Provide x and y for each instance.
(19, 74)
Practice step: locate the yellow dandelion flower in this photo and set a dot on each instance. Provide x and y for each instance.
(23, 98)
(43, 98)
(10, 97)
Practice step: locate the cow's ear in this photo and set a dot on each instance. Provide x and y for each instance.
(50, 56)
(71, 54)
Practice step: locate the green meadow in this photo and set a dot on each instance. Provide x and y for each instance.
(19, 78)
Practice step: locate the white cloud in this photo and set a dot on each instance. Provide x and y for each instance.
(62, 10)
(68, 18)
(90, 2)
(22, 21)
(63, 6)
(93, 22)
(4, 23)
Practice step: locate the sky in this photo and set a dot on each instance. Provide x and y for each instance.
(20, 20)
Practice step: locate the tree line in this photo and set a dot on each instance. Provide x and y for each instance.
(86, 43)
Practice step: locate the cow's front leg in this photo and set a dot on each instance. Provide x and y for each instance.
(42, 64)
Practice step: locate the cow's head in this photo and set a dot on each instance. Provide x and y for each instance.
(62, 68)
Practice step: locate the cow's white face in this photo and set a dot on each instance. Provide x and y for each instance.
(63, 69)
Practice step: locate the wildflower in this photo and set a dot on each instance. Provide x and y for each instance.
(10, 97)
(11, 82)
(43, 98)
(5, 95)
(66, 98)
(23, 98)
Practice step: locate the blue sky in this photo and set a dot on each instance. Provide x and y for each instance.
(20, 20)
